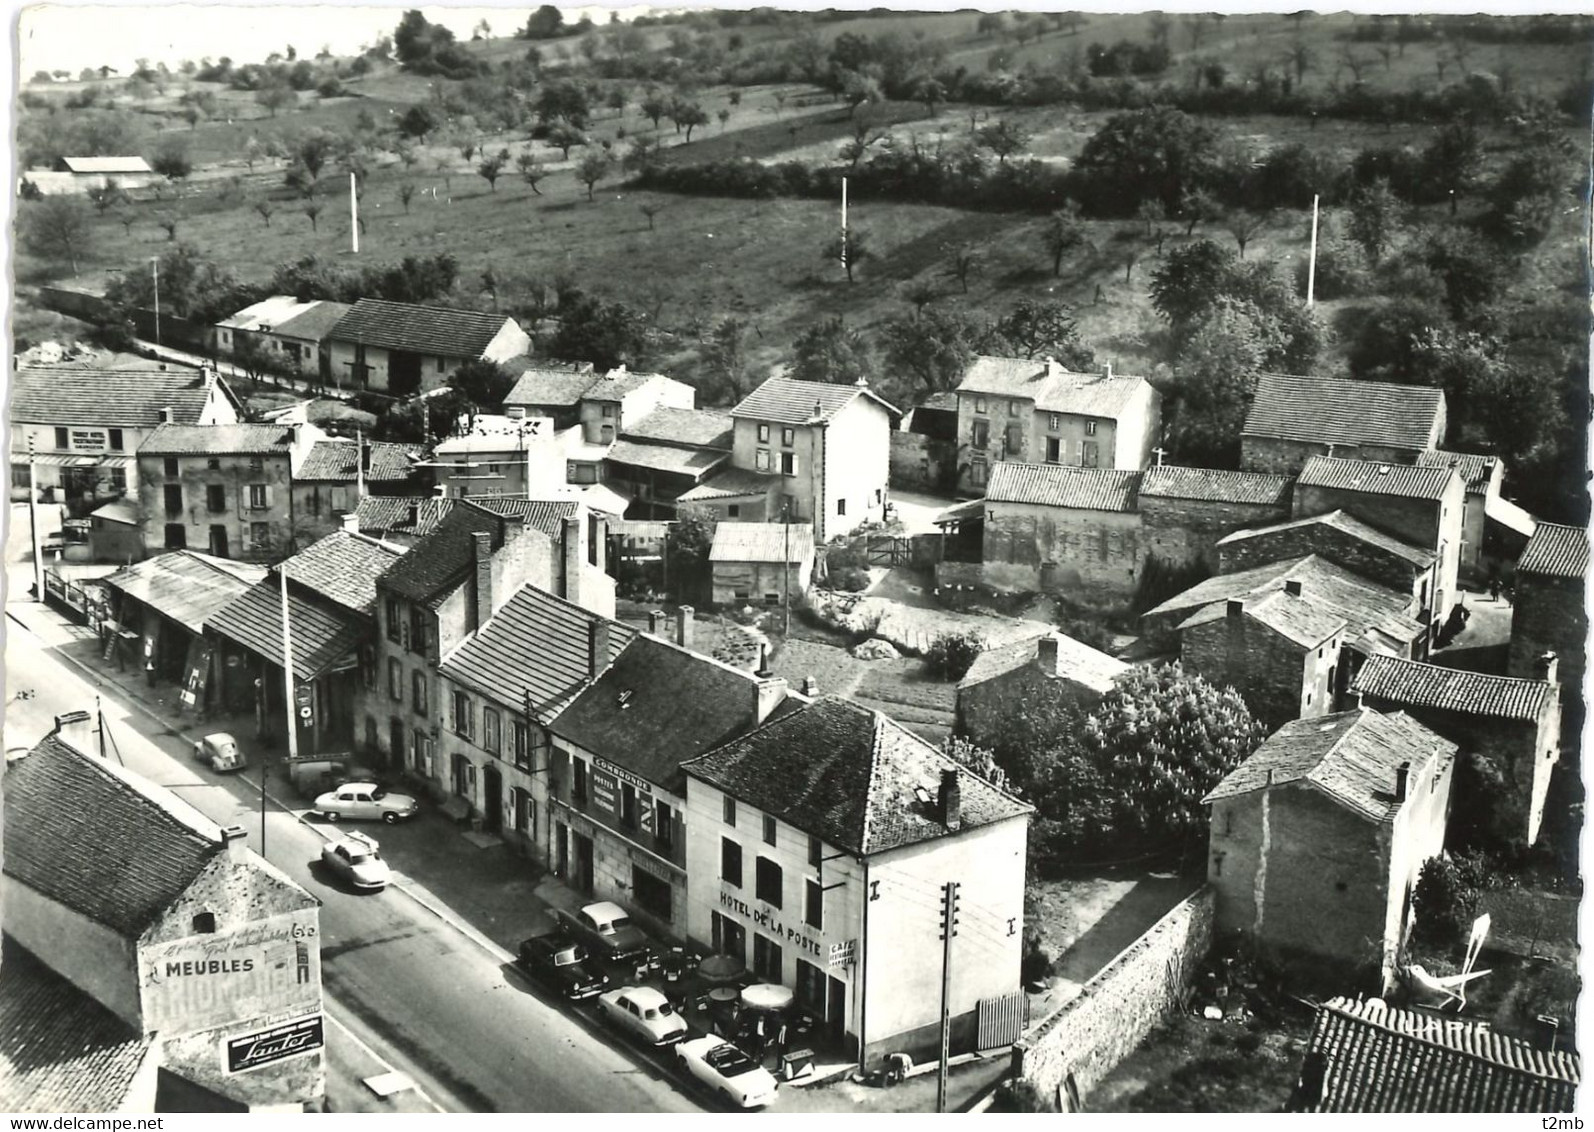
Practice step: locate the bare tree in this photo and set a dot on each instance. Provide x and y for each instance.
(961, 263)
(1244, 225)
(312, 209)
(406, 194)
(921, 293)
(1302, 58)
(1355, 62)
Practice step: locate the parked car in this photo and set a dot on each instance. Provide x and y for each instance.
(357, 859)
(727, 1071)
(313, 775)
(364, 801)
(644, 1013)
(220, 752)
(560, 961)
(606, 929)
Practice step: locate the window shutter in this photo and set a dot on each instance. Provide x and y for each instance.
(268, 497)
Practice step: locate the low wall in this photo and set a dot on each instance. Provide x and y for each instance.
(1118, 1008)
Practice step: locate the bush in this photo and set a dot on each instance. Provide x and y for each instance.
(1445, 898)
(1019, 1096)
(1092, 633)
(1341, 269)
(953, 654)
(851, 579)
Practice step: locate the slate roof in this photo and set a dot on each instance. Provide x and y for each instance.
(1053, 389)
(1216, 486)
(1299, 619)
(1474, 468)
(550, 387)
(666, 457)
(1055, 485)
(1351, 756)
(343, 567)
(693, 428)
(1370, 478)
(848, 775)
(762, 542)
(60, 1050)
(1082, 664)
(679, 705)
(106, 165)
(1557, 551)
(338, 461)
(185, 585)
(546, 515)
(78, 831)
(1410, 683)
(107, 398)
(218, 440)
(324, 633)
(1379, 1058)
(730, 483)
(444, 558)
(1337, 410)
(785, 400)
(536, 645)
(313, 323)
(391, 513)
(440, 331)
(1345, 523)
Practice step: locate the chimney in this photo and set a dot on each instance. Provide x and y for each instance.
(365, 456)
(763, 672)
(1236, 607)
(1270, 776)
(415, 512)
(1046, 654)
(951, 800)
(768, 691)
(233, 837)
(351, 522)
(658, 623)
(862, 382)
(1292, 586)
(1106, 369)
(684, 635)
(810, 687)
(819, 409)
(482, 555)
(597, 647)
(76, 730)
(1547, 667)
(574, 557)
(1052, 368)
(167, 415)
(1402, 777)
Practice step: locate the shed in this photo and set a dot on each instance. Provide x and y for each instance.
(747, 561)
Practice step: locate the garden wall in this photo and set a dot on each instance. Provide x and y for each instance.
(1118, 1008)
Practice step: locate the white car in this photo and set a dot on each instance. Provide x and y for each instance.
(357, 859)
(644, 1013)
(364, 800)
(220, 752)
(728, 1071)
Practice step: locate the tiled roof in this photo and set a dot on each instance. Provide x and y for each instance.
(391, 513)
(1299, 619)
(730, 483)
(617, 384)
(1379, 1058)
(338, 461)
(694, 428)
(762, 542)
(946, 401)
(849, 776)
(785, 400)
(1346, 524)
(1475, 469)
(536, 646)
(1082, 664)
(666, 457)
(324, 634)
(550, 387)
(313, 323)
(1054, 485)
(60, 1050)
(546, 515)
(438, 331)
(1052, 388)
(1376, 479)
(441, 560)
(1408, 683)
(343, 567)
(656, 707)
(107, 398)
(1336, 410)
(79, 832)
(1351, 756)
(184, 585)
(218, 440)
(1557, 551)
(1216, 486)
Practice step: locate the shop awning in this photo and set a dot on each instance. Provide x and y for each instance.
(55, 460)
(325, 636)
(184, 585)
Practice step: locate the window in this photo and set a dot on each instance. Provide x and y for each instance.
(769, 829)
(115, 439)
(628, 806)
(664, 826)
(733, 511)
(1054, 421)
(213, 464)
(730, 810)
(730, 862)
(260, 535)
(61, 439)
(259, 497)
(816, 851)
(418, 690)
(176, 536)
(417, 630)
(462, 717)
(395, 622)
(257, 463)
(761, 460)
(492, 733)
(766, 958)
(814, 904)
(578, 782)
(1014, 439)
(442, 365)
(204, 923)
(215, 498)
(788, 436)
(174, 499)
(979, 404)
(395, 681)
(763, 434)
(982, 434)
(1089, 454)
(1090, 428)
(788, 463)
(652, 893)
(608, 410)
(525, 812)
(521, 744)
(977, 471)
(1012, 408)
(583, 473)
(841, 506)
(119, 480)
(769, 882)
(170, 465)
(1054, 450)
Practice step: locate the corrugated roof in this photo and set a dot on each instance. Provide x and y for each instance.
(1377, 479)
(1079, 662)
(184, 585)
(218, 440)
(850, 776)
(1475, 469)
(666, 457)
(380, 514)
(1053, 388)
(324, 634)
(343, 567)
(692, 428)
(1336, 410)
(550, 387)
(1409, 683)
(731, 483)
(338, 461)
(1351, 756)
(1343, 522)
(1054, 485)
(1216, 486)
(1300, 619)
(785, 400)
(440, 331)
(535, 649)
(107, 398)
(762, 542)
(1557, 551)
(1379, 1058)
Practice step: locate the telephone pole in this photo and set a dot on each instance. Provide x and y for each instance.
(949, 928)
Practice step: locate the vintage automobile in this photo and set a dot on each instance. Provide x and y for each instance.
(357, 858)
(559, 961)
(220, 752)
(607, 931)
(644, 1013)
(364, 801)
(727, 1071)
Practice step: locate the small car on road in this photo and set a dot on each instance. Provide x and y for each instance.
(558, 960)
(644, 1013)
(727, 1071)
(220, 752)
(357, 859)
(364, 801)
(607, 931)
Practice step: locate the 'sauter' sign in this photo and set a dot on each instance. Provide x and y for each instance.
(301, 1036)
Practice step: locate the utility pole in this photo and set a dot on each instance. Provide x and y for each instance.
(949, 928)
(1311, 264)
(33, 528)
(354, 213)
(288, 702)
(155, 269)
(785, 573)
(844, 223)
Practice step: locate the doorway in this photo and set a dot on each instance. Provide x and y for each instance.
(492, 799)
(562, 850)
(218, 540)
(583, 877)
(836, 1009)
(403, 373)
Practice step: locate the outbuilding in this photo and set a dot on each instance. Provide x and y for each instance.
(761, 562)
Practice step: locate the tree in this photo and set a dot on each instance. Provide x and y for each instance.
(851, 248)
(484, 383)
(491, 167)
(921, 293)
(830, 351)
(264, 210)
(57, 228)
(1002, 138)
(1377, 217)
(172, 160)
(1453, 159)
(312, 209)
(254, 152)
(605, 334)
(593, 168)
(934, 348)
(687, 544)
(857, 89)
(1157, 152)
(724, 115)
(1130, 245)
(313, 150)
(169, 221)
(1243, 225)
(931, 92)
(107, 196)
(565, 136)
(688, 116)
(1302, 58)
(1034, 329)
(406, 193)
(276, 97)
(725, 357)
(961, 263)
(417, 122)
(532, 171)
(654, 107)
(547, 22)
(1215, 377)
(650, 209)
(1356, 63)
(1186, 282)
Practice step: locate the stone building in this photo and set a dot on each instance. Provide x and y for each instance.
(335, 474)
(1049, 528)
(404, 348)
(1511, 727)
(1002, 680)
(282, 334)
(1549, 614)
(664, 454)
(924, 448)
(1494, 530)
(1292, 419)
(767, 563)
(1317, 839)
(1185, 511)
(1341, 538)
(400, 519)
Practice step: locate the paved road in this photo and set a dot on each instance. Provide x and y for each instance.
(414, 988)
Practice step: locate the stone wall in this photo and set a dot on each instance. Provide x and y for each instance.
(1272, 673)
(1288, 457)
(1093, 554)
(922, 463)
(1182, 532)
(1118, 1008)
(1549, 616)
(1351, 553)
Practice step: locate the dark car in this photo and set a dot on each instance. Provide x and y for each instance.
(560, 962)
(607, 931)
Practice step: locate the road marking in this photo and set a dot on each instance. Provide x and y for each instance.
(378, 1058)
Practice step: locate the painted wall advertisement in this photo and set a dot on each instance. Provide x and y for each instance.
(607, 780)
(269, 967)
(276, 1043)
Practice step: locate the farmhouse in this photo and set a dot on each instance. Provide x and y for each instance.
(1292, 419)
(80, 174)
(403, 349)
(282, 333)
(551, 391)
(1186, 511)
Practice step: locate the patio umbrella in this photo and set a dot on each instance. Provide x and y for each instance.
(721, 969)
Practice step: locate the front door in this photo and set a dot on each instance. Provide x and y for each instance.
(218, 540)
(403, 373)
(492, 799)
(836, 1010)
(395, 741)
(562, 851)
(583, 877)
